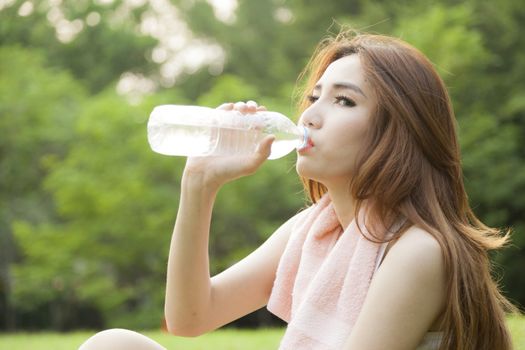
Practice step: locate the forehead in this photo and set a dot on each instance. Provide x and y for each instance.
(347, 69)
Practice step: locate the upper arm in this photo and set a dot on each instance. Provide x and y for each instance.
(406, 294)
(246, 286)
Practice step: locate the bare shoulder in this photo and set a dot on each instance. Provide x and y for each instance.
(418, 254)
(416, 236)
(417, 244)
(406, 295)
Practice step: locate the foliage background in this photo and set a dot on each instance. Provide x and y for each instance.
(86, 209)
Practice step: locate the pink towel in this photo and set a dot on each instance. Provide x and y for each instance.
(322, 279)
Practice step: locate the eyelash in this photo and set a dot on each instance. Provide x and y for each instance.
(311, 98)
(348, 101)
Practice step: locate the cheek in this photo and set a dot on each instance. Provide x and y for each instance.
(348, 138)
(344, 146)
(342, 163)
(355, 134)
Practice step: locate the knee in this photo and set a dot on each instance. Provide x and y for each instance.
(119, 339)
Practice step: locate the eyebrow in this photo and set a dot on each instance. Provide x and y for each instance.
(339, 86)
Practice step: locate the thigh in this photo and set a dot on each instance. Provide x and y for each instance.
(120, 339)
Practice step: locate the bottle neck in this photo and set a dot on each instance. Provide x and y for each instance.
(305, 135)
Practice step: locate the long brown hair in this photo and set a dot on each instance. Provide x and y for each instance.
(410, 166)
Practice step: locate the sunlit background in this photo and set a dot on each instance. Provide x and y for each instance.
(86, 208)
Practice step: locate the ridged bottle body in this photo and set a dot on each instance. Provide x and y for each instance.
(201, 131)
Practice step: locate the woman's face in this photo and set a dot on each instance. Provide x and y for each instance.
(337, 120)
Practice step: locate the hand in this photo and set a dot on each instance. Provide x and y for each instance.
(216, 171)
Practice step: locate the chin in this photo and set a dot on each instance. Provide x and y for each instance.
(323, 174)
(306, 171)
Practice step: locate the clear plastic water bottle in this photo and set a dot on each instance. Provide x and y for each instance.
(178, 130)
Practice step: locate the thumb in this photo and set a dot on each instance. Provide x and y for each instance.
(263, 152)
(265, 146)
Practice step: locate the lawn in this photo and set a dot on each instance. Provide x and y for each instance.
(225, 339)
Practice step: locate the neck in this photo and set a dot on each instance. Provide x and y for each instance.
(343, 203)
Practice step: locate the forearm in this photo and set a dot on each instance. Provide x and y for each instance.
(188, 277)
(188, 306)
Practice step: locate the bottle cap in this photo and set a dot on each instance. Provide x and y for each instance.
(305, 137)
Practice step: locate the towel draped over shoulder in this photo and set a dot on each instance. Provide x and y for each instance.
(323, 278)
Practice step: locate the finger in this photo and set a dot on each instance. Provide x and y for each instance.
(265, 147)
(262, 153)
(251, 106)
(240, 106)
(261, 108)
(226, 106)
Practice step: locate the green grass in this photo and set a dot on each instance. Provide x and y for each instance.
(226, 339)
(517, 328)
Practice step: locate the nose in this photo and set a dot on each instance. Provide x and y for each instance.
(311, 118)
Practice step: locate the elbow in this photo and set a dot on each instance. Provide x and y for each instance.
(183, 327)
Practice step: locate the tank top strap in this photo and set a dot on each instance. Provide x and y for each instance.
(380, 254)
(382, 248)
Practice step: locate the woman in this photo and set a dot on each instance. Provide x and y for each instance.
(389, 256)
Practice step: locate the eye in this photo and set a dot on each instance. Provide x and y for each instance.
(312, 98)
(344, 101)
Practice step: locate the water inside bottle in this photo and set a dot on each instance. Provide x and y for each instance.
(190, 131)
(241, 141)
(235, 141)
(182, 140)
(197, 140)
(284, 143)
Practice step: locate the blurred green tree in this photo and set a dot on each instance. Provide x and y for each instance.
(116, 201)
(90, 208)
(88, 38)
(37, 110)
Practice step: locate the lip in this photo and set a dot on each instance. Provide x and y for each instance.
(309, 145)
